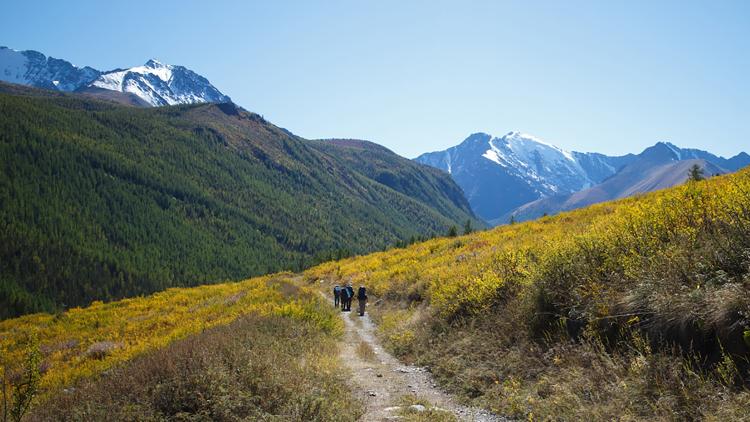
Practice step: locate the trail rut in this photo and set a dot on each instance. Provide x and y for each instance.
(381, 380)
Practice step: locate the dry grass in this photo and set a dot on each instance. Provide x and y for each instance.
(430, 414)
(632, 310)
(257, 368)
(365, 351)
(84, 342)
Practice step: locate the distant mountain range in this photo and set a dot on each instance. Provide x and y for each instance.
(514, 175)
(524, 177)
(153, 84)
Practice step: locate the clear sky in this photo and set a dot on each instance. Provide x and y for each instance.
(607, 76)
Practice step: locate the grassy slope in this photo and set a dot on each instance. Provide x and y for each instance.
(261, 347)
(256, 368)
(573, 317)
(636, 309)
(100, 201)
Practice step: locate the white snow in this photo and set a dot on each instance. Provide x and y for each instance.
(552, 168)
(675, 150)
(154, 82)
(135, 81)
(492, 155)
(13, 66)
(524, 145)
(114, 80)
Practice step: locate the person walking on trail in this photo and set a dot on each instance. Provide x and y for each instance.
(349, 296)
(362, 298)
(336, 295)
(343, 298)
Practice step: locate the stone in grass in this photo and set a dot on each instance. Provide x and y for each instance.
(417, 408)
(101, 349)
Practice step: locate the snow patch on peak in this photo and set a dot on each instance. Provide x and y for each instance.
(162, 84)
(493, 155)
(553, 169)
(13, 66)
(523, 142)
(674, 149)
(155, 82)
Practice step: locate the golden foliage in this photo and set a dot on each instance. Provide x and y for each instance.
(71, 342)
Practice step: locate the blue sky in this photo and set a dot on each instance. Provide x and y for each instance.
(417, 76)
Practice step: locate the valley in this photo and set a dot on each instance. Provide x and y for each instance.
(186, 187)
(597, 325)
(102, 201)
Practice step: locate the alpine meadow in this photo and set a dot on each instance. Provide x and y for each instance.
(376, 211)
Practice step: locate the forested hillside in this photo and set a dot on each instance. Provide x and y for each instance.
(100, 201)
(425, 183)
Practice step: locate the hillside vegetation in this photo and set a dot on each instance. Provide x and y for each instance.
(261, 348)
(632, 310)
(100, 201)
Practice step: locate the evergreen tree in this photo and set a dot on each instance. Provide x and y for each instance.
(696, 173)
(467, 227)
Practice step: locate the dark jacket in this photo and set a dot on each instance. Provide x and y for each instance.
(337, 291)
(349, 291)
(362, 293)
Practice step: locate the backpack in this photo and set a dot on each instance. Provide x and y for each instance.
(362, 293)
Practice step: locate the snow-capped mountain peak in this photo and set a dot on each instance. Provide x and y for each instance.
(554, 169)
(500, 173)
(161, 84)
(35, 69)
(154, 82)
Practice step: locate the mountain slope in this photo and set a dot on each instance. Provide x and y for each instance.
(660, 166)
(632, 180)
(425, 183)
(153, 84)
(161, 84)
(502, 174)
(35, 69)
(101, 201)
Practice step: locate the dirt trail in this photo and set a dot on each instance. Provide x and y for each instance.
(381, 380)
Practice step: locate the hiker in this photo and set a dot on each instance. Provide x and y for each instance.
(336, 295)
(349, 296)
(362, 298)
(343, 297)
